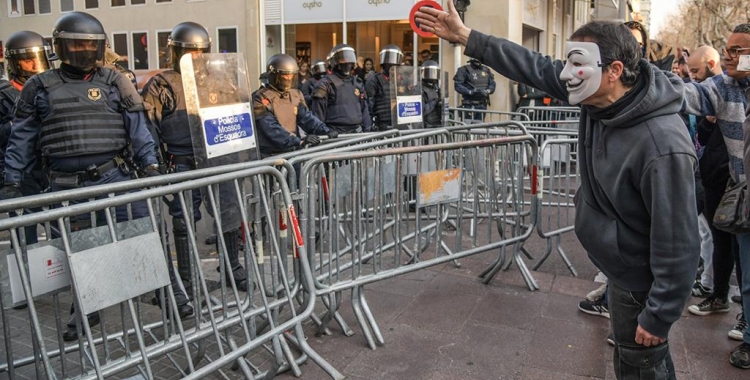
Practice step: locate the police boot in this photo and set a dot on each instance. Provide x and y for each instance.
(183, 308)
(70, 333)
(231, 239)
(183, 254)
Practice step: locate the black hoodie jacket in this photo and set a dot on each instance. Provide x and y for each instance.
(635, 209)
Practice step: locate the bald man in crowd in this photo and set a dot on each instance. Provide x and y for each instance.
(704, 63)
(713, 165)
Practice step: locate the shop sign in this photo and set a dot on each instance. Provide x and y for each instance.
(368, 10)
(313, 11)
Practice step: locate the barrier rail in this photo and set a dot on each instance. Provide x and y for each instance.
(386, 208)
(550, 114)
(117, 262)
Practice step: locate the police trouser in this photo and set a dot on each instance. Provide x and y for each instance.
(474, 117)
(180, 230)
(30, 185)
(137, 210)
(346, 128)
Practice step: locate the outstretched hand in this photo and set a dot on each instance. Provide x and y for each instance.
(446, 25)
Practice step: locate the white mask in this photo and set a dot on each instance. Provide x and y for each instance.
(583, 70)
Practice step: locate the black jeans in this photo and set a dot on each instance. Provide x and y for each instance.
(633, 361)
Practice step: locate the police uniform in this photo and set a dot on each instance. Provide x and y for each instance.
(342, 104)
(308, 87)
(432, 99)
(277, 116)
(475, 85)
(8, 94)
(32, 183)
(378, 88)
(169, 121)
(82, 125)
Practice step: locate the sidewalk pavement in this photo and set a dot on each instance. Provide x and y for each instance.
(444, 323)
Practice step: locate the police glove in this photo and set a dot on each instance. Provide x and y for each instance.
(333, 134)
(152, 171)
(487, 92)
(10, 191)
(311, 140)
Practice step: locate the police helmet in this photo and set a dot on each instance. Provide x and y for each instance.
(28, 54)
(475, 63)
(430, 71)
(342, 59)
(79, 40)
(187, 37)
(282, 72)
(391, 55)
(319, 68)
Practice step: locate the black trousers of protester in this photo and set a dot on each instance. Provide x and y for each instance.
(633, 361)
(726, 249)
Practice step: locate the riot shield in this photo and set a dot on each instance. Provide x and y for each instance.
(406, 97)
(219, 105)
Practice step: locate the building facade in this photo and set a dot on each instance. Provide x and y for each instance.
(307, 29)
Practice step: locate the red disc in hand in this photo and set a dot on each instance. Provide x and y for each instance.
(414, 26)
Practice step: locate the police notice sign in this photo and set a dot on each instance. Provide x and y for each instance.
(409, 109)
(227, 129)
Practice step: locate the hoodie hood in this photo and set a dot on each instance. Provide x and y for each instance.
(661, 95)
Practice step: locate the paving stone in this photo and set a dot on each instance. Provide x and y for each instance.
(567, 347)
(437, 310)
(510, 307)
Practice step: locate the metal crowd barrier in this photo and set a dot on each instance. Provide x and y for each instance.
(559, 180)
(488, 116)
(550, 114)
(110, 261)
(388, 212)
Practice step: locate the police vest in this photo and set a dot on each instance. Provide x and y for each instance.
(381, 108)
(284, 108)
(478, 80)
(175, 127)
(8, 96)
(81, 120)
(433, 119)
(347, 110)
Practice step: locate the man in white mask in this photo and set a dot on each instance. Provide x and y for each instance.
(635, 209)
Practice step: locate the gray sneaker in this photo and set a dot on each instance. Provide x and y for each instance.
(738, 330)
(709, 306)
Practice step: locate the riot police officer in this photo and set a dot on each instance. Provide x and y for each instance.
(475, 82)
(169, 119)
(318, 71)
(378, 87)
(432, 98)
(84, 142)
(339, 99)
(279, 109)
(27, 54)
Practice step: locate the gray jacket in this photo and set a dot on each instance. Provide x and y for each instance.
(635, 209)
